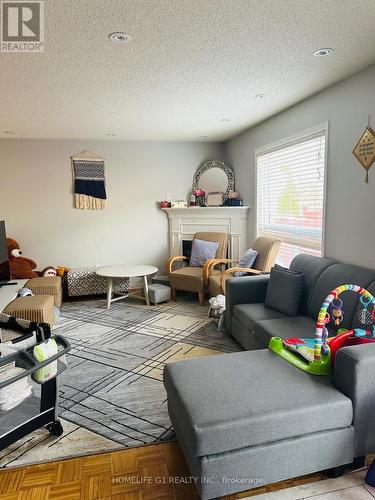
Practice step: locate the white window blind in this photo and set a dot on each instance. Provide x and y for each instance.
(290, 195)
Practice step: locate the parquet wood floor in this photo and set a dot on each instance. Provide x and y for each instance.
(145, 473)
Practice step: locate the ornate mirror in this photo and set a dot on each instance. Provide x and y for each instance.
(214, 177)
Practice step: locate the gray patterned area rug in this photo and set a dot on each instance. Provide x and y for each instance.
(112, 396)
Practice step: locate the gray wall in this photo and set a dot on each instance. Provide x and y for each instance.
(36, 198)
(37, 204)
(350, 211)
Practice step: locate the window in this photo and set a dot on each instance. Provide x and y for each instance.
(290, 194)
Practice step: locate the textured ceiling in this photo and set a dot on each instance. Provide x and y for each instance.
(190, 63)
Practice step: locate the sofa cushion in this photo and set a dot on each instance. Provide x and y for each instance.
(297, 326)
(250, 398)
(284, 290)
(312, 267)
(245, 336)
(248, 314)
(333, 276)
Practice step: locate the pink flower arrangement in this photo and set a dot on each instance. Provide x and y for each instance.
(199, 192)
(199, 196)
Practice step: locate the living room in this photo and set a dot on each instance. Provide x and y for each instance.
(183, 184)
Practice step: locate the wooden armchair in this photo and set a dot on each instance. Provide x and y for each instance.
(195, 279)
(267, 249)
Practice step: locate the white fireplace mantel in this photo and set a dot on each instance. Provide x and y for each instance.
(185, 222)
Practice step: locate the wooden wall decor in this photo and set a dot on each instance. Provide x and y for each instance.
(365, 149)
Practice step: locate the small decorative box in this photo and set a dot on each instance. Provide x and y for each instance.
(179, 204)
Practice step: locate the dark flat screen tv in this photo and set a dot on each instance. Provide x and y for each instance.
(4, 262)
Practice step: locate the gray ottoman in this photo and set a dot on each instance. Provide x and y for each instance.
(159, 293)
(248, 419)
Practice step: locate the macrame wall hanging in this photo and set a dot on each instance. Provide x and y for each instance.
(365, 148)
(88, 181)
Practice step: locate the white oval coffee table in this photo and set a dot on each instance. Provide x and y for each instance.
(125, 271)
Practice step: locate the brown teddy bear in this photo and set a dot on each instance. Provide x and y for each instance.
(20, 267)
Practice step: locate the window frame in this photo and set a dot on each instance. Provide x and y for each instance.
(288, 141)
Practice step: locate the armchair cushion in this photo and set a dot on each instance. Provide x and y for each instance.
(246, 260)
(284, 290)
(187, 278)
(201, 251)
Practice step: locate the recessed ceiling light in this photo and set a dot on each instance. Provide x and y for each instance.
(259, 97)
(323, 52)
(119, 37)
(225, 120)
(111, 135)
(9, 132)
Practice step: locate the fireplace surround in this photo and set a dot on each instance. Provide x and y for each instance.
(185, 222)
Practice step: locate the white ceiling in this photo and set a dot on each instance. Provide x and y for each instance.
(190, 63)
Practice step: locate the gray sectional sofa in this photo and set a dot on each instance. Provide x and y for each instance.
(252, 324)
(250, 418)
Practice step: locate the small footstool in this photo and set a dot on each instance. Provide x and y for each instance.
(39, 308)
(159, 293)
(248, 419)
(47, 285)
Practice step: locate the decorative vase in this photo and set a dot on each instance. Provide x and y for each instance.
(200, 201)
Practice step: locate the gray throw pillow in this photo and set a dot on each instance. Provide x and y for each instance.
(247, 261)
(201, 251)
(284, 290)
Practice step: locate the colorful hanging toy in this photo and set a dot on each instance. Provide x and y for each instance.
(337, 310)
(317, 355)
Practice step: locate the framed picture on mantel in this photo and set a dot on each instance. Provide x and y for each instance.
(214, 199)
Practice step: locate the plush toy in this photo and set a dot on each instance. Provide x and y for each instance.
(62, 270)
(52, 271)
(20, 267)
(49, 271)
